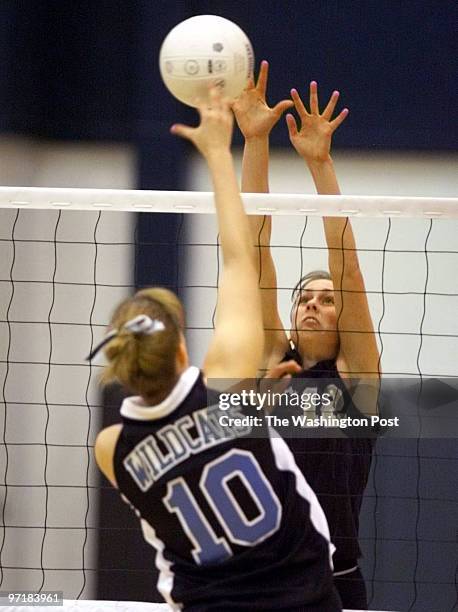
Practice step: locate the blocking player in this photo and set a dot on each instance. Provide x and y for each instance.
(331, 345)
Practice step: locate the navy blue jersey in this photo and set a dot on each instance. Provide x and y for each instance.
(337, 468)
(233, 521)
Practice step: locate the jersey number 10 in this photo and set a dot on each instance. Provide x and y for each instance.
(207, 546)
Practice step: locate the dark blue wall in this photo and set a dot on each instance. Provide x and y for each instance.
(89, 69)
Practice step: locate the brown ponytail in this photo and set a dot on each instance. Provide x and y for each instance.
(146, 363)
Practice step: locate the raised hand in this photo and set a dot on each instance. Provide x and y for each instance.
(214, 134)
(254, 116)
(313, 140)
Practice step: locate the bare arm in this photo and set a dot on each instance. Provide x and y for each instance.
(104, 450)
(256, 119)
(236, 347)
(358, 348)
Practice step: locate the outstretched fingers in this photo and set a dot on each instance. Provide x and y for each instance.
(314, 106)
(280, 108)
(329, 110)
(216, 105)
(184, 131)
(250, 84)
(215, 98)
(299, 105)
(339, 119)
(216, 101)
(261, 85)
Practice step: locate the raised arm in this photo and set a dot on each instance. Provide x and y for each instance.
(236, 347)
(358, 348)
(255, 120)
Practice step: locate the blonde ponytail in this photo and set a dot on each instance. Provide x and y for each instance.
(145, 363)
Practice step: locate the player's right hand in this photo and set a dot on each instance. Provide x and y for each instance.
(254, 116)
(214, 134)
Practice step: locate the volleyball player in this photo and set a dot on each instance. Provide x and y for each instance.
(332, 345)
(218, 507)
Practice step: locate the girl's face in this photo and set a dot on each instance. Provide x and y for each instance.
(314, 320)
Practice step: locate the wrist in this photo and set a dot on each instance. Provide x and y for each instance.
(324, 177)
(257, 146)
(217, 155)
(320, 164)
(258, 139)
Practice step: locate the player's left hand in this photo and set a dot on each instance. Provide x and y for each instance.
(254, 116)
(313, 140)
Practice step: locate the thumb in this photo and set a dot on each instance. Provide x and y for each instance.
(184, 131)
(283, 369)
(280, 108)
(292, 126)
(289, 367)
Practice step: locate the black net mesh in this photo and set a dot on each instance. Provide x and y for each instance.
(61, 272)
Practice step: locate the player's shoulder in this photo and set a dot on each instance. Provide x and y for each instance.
(104, 448)
(108, 436)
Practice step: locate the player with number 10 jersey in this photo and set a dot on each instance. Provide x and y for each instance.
(221, 508)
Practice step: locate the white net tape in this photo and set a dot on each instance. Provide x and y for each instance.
(202, 202)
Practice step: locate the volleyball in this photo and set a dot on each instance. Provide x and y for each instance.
(205, 50)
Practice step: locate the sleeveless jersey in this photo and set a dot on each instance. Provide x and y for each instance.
(234, 523)
(337, 468)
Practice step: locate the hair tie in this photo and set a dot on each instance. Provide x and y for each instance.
(141, 324)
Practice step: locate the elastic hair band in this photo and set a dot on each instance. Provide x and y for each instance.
(141, 324)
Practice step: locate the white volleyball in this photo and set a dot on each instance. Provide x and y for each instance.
(205, 50)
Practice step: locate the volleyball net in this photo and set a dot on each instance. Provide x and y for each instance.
(67, 257)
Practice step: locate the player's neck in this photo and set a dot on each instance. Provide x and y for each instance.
(311, 357)
(157, 398)
(308, 362)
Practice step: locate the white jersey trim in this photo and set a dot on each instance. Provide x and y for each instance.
(347, 571)
(135, 408)
(166, 576)
(284, 461)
